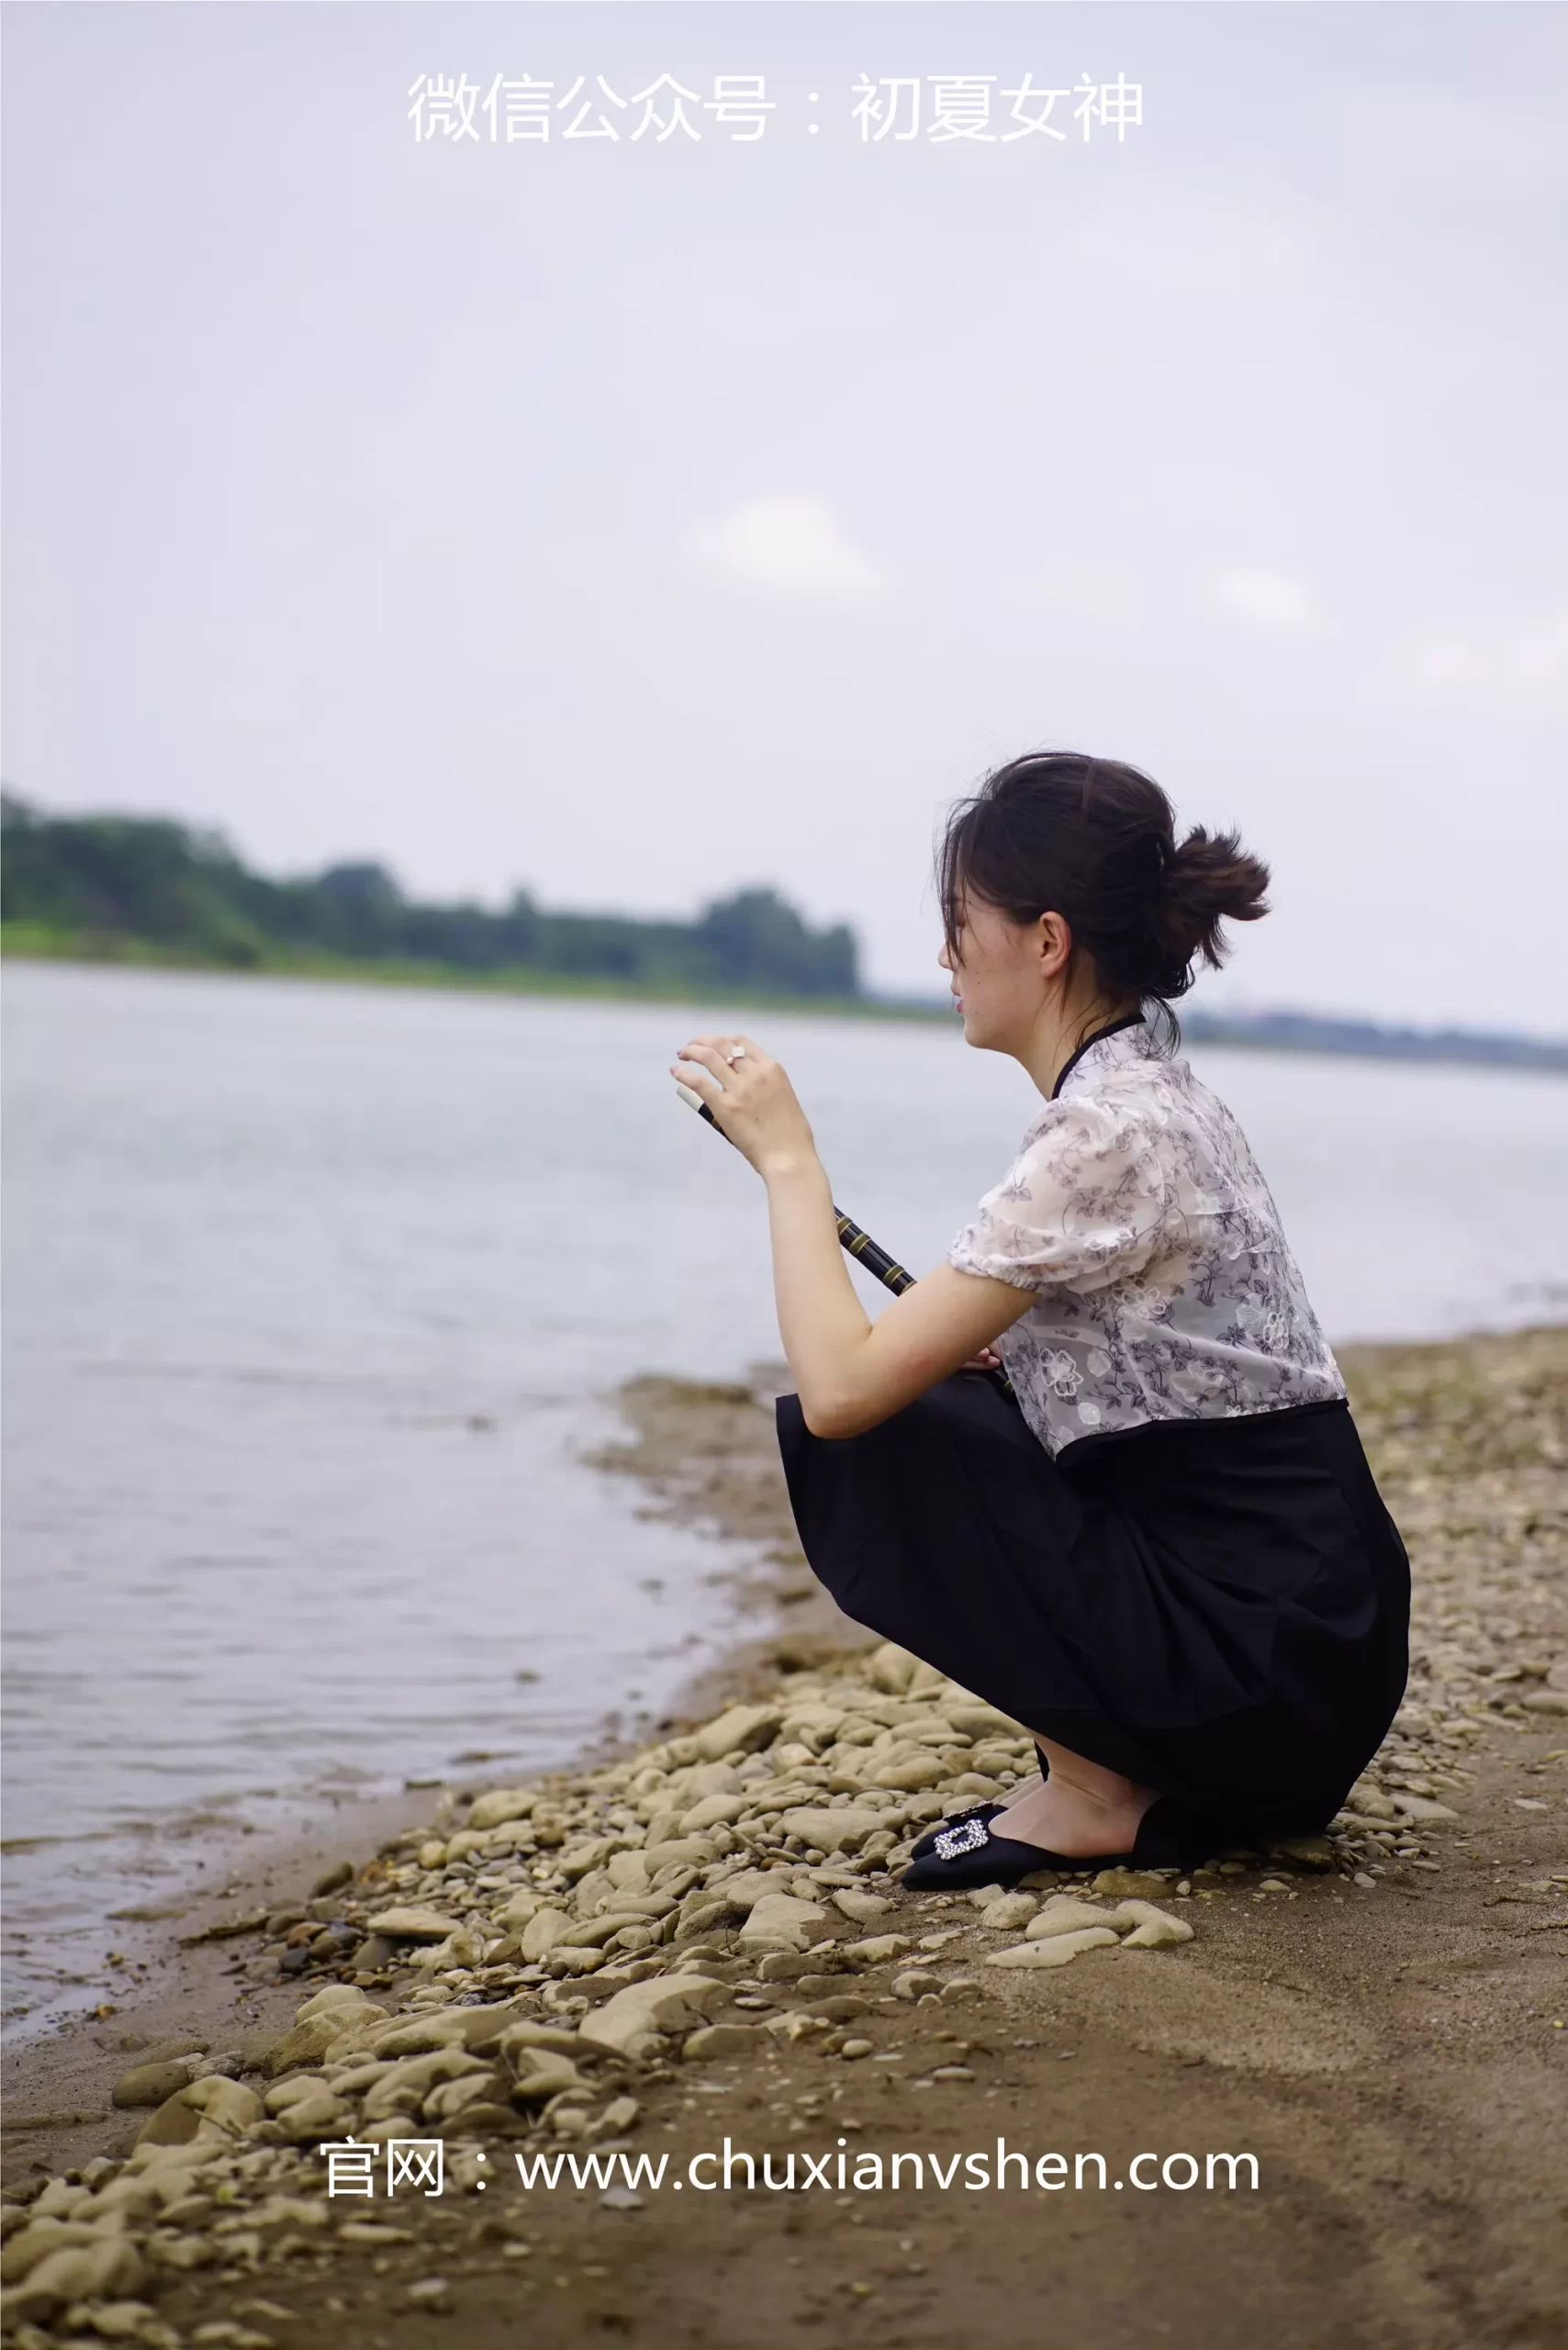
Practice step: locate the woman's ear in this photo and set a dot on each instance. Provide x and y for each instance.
(1054, 944)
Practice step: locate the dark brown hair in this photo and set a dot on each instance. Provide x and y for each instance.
(1095, 841)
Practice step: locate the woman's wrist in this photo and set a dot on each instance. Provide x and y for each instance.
(790, 1167)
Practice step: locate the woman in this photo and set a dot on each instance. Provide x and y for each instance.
(1168, 1557)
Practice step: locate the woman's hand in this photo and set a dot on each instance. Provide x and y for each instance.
(751, 1098)
(987, 1360)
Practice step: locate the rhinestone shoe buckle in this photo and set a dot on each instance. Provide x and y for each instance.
(968, 1838)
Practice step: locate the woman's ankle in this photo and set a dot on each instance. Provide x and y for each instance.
(1057, 1818)
(1093, 1781)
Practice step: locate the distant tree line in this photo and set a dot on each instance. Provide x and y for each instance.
(170, 886)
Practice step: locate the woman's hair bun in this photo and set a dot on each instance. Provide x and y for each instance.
(1209, 878)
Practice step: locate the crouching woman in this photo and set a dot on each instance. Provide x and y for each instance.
(1164, 1554)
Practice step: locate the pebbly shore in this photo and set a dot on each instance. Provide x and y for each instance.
(578, 1963)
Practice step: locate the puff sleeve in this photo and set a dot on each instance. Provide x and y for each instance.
(1085, 1203)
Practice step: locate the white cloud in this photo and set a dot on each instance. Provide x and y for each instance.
(1270, 603)
(1091, 591)
(1521, 673)
(791, 542)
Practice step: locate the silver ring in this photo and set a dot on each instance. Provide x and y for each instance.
(737, 1053)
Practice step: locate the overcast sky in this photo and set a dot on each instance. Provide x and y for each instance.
(638, 517)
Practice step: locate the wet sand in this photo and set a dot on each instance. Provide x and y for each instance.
(1382, 2023)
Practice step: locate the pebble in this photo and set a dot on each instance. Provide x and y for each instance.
(308, 2041)
(862, 1907)
(1056, 1949)
(743, 1890)
(335, 1999)
(783, 1966)
(30, 2244)
(1063, 1914)
(105, 2270)
(431, 2293)
(501, 1804)
(722, 2039)
(207, 2109)
(310, 2115)
(1307, 1851)
(1153, 1928)
(1421, 1808)
(915, 1985)
(544, 1930)
(664, 2003)
(780, 1922)
(742, 1727)
(149, 2084)
(712, 1811)
(415, 2076)
(1008, 1912)
(543, 2073)
(132, 2321)
(876, 1950)
(913, 1775)
(845, 1829)
(411, 1925)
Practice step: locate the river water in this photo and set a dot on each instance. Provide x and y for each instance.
(316, 1296)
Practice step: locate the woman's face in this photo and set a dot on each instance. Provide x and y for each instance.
(1002, 973)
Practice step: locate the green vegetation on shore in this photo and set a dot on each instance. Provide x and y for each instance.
(146, 889)
(40, 942)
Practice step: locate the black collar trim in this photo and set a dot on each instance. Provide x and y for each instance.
(1128, 1020)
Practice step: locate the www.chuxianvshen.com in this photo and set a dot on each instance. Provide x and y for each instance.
(860, 2171)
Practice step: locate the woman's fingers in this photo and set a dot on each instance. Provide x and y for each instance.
(749, 1096)
(717, 1051)
(709, 1056)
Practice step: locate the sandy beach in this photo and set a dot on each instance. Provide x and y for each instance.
(654, 1953)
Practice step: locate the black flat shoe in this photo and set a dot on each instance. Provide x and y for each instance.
(966, 1853)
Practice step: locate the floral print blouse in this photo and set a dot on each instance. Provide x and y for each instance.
(1165, 1288)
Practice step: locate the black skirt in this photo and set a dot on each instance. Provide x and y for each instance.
(1218, 1609)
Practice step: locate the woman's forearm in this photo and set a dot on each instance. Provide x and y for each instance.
(822, 1322)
